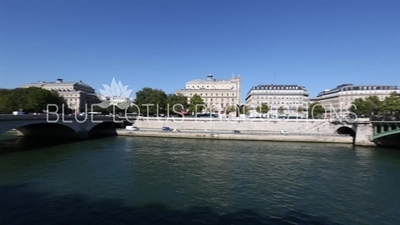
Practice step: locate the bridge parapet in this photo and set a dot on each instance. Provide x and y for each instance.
(384, 128)
(53, 125)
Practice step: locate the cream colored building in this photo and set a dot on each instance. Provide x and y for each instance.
(217, 94)
(289, 97)
(341, 97)
(78, 96)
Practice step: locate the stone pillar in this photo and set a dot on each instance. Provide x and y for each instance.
(364, 131)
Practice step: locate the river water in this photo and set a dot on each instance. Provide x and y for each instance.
(137, 180)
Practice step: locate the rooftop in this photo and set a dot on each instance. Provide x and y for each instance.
(278, 87)
(352, 87)
(210, 79)
(59, 82)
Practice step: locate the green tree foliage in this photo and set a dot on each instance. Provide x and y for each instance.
(316, 110)
(263, 108)
(281, 110)
(391, 104)
(156, 97)
(300, 109)
(243, 109)
(373, 106)
(230, 109)
(196, 104)
(177, 103)
(369, 106)
(30, 100)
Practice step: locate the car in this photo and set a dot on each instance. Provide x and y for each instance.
(176, 130)
(207, 130)
(133, 128)
(284, 132)
(166, 129)
(236, 131)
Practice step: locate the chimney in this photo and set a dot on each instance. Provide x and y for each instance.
(59, 80)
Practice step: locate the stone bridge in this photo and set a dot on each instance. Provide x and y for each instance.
(61, 127)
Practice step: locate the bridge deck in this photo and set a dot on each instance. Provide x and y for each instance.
(54, 117)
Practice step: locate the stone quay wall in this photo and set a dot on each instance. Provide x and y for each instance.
(222, 124)
(248, 137)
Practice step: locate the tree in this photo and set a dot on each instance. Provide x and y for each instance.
(263, 108)
(243, 109)
(230, 109)
(32, 99)
(359, 107)
(281, 110)
(211, 108)
(196, 104)
(151, 101)
(391, 104)
(176, 103)
(315, 110)
(6, 101)
(300, 109)
(368, 107)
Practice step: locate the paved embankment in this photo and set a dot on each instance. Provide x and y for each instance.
(222, 135)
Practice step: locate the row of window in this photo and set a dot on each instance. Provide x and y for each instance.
(283, 103)
(366, 92)
(211, 94)
(368, 88)
(218, 99)
(203, 86)
(258, 97)
(278, 91)
(70, 95)
(277, 88)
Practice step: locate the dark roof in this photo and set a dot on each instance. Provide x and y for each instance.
(278, 87)
(43, 83)
(352, 87)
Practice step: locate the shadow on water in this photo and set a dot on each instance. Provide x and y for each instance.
(11, 143)
(26, 144)
(19, 205)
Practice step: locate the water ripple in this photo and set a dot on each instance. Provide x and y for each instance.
(198, 181)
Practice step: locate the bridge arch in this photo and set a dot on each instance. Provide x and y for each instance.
(346, 130)
(40, 129)
(105, 128)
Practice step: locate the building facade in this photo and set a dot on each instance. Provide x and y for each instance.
(217, 94)
(293, 99)
(78, 96)
(340, 98)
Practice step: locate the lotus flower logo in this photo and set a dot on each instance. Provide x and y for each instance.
(116, 94)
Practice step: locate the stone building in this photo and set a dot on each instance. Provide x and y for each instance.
(340, 98)
(78, 96)
(292, 98)
(217, 94)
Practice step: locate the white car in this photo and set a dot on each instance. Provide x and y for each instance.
(133, 128)
(284, 132)
(207, 130)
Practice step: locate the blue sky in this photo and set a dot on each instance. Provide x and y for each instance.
(163, 44)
